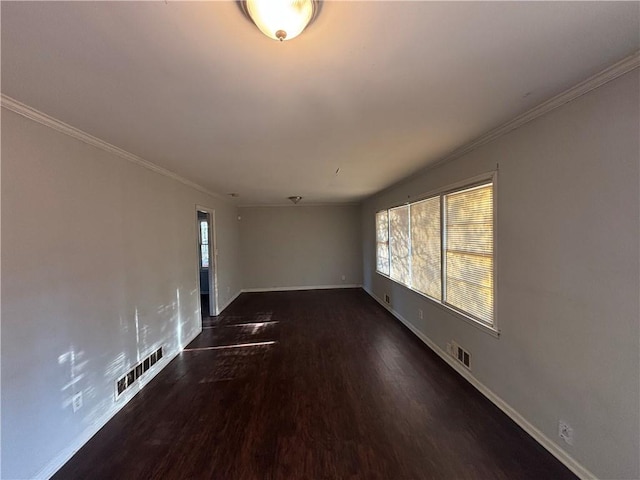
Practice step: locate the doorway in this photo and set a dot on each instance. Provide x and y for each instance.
(207, 280)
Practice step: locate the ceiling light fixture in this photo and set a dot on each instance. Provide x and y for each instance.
(295, 199)
(281, 19)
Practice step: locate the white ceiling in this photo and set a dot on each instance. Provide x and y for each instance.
(377, 89)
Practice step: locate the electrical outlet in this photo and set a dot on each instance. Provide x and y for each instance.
(565, 432)
(420, 316)
(386, 298)
(344, 278)
(76, 402)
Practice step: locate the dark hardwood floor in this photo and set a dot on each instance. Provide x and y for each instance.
(336, 388)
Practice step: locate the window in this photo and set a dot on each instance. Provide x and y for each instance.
(399, 244)
(382, 242)
(204, 244)
(426, 247)
(442, 247)
(469, 251)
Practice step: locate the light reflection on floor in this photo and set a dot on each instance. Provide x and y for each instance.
(238, 345)
(257, 325)
(236, 330)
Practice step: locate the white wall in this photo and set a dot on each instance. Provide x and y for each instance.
(568, 274)
(99, 267)
(300, 246)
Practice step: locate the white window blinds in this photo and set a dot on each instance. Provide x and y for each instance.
(426, 247)
(399, 244)
(442, 247)
(382, 242)
(469, 251)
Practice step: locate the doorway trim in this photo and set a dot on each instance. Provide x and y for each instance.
(213, 259)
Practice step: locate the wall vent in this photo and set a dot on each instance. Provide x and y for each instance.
(137, 371)
(460, 354)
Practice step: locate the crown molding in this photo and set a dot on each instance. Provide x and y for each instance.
(616, 70)
(48, 121)
(610, 73)
(291, 205)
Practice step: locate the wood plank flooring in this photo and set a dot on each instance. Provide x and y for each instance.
(343, 392)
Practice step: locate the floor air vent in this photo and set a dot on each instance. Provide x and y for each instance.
(137, 371)
(460, 354)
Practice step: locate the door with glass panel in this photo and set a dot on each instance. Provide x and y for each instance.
(207, 263)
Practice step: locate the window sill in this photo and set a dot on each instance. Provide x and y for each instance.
(450, 310)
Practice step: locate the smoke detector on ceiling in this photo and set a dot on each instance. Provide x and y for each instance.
(295, 199)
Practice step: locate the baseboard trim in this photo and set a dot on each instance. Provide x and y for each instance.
(537, 435)
(229, 302)
(303, 287)
(63, 457)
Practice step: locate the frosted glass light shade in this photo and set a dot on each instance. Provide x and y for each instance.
(281, 19)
